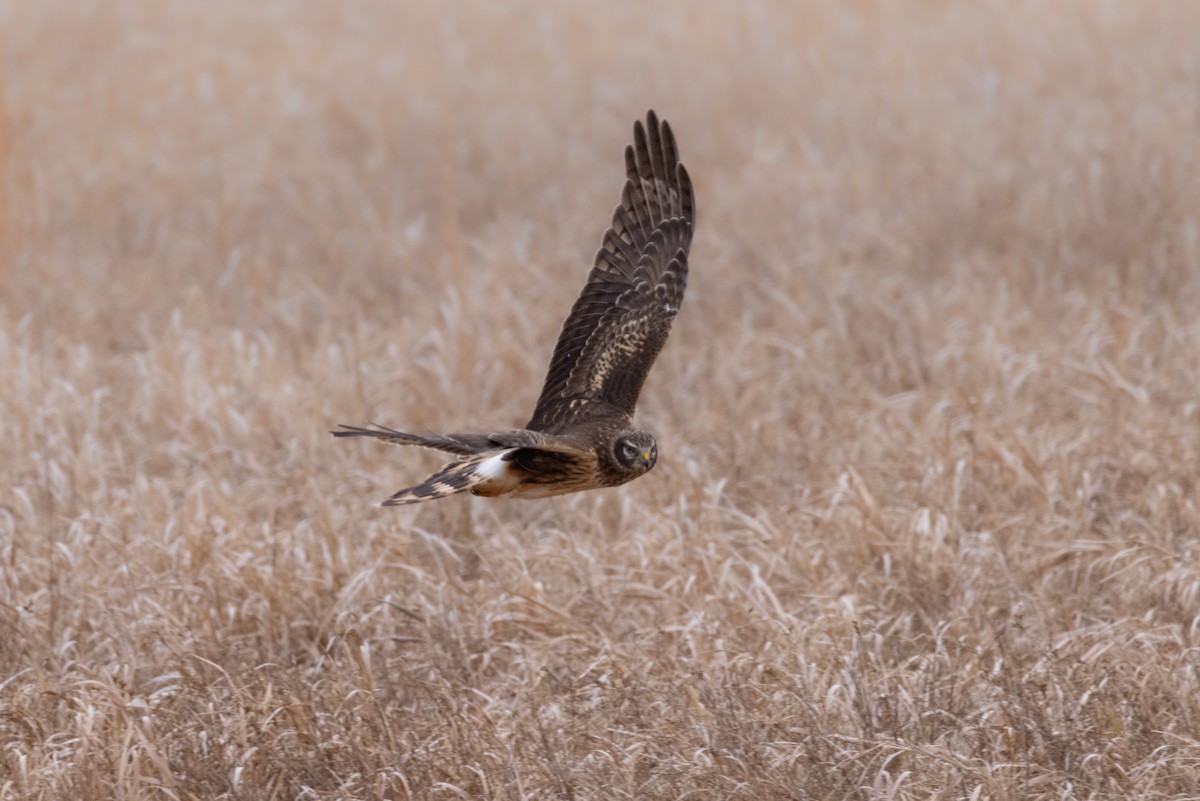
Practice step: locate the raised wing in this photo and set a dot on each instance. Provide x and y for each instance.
(621, 320)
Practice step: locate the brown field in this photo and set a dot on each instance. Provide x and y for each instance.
(925, 523)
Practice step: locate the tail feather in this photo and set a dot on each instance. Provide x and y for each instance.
(456, 477)
(458, 444)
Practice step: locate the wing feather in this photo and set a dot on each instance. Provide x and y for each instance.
(622, 317)
(466, 444)
(459, 444)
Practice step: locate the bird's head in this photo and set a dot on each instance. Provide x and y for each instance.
(635, 451)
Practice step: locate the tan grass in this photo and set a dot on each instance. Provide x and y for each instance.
(925, 522)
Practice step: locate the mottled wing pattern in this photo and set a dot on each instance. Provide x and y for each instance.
(621, 320)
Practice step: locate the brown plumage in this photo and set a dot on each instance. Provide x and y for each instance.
(581, 434)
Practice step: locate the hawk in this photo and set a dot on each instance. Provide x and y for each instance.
(581, 435)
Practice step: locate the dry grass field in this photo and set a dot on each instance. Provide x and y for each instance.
(925, 521)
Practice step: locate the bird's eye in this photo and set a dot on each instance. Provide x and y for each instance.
(630, 451)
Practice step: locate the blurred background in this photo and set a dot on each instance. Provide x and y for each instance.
(928, 420)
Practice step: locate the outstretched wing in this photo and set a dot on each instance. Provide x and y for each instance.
(465, 444)
(621, 320)
(460, 444)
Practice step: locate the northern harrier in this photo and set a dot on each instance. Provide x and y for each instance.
(581, 435)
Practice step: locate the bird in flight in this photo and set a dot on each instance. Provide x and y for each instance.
(581, 435)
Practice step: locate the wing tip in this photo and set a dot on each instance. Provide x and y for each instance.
(346, 430)
(685, 180)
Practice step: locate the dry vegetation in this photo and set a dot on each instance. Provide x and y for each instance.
(925, 522)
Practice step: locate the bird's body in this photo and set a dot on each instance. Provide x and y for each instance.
(581, 434)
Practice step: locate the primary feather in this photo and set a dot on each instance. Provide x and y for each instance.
(621, 320)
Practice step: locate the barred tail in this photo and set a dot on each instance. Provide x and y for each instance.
(459, 477)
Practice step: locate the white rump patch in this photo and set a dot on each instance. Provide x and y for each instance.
(494, 467)
(495, 475)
